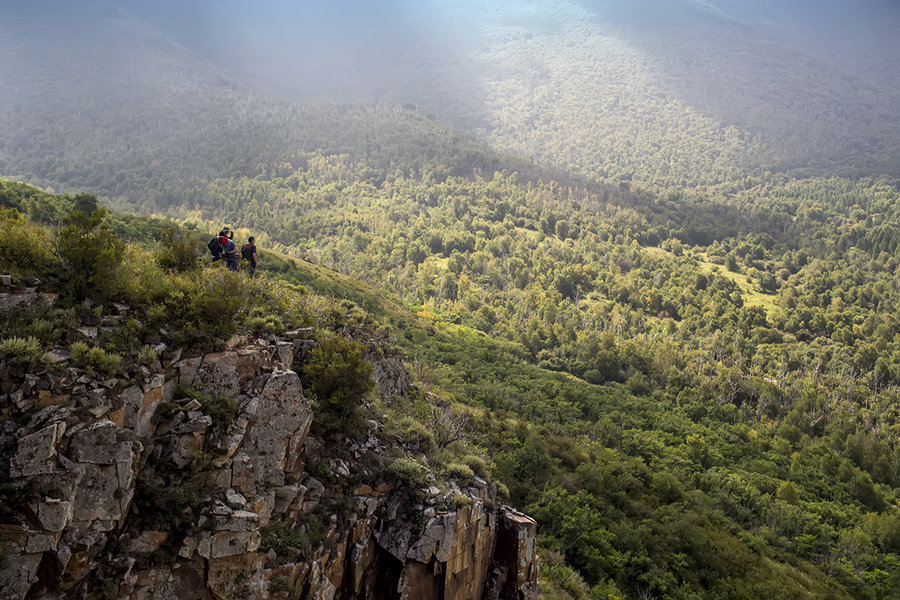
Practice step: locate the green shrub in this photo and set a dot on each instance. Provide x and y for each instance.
(559, 581)
(109, 590)
(291, 543)
(125, 338)
(412, 431)
(221, 409)
(167, 410)
(476, 463)
(459, 471)
(171, 499)
(502, 490)
(147, 355)
(265, 325)
(25, 352)
(409, 471)
(46, 324)
(146, 282)
(339, 377)
(223, 295)
(460, 500)
(95, 359)
(199, 307)
(25, 248)
(286, 541)
(178, 252)
(12, 500)
(281, 584)
(43, 330)
(89, 256)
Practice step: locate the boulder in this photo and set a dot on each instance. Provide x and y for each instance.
(95, 444)
(35, 452)
(218, 375)
(54, 514)
(274, 438)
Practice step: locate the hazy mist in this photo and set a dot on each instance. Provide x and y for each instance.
(402, 50)
(802, 81)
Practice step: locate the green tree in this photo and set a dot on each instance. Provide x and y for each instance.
(89, 256)
(339, 377)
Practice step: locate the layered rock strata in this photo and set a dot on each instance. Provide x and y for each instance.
(77, 450)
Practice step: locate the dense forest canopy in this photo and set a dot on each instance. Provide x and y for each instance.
(654, 245)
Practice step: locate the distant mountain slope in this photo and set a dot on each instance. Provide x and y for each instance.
(809, 78)
(136, 117)
(662, 93)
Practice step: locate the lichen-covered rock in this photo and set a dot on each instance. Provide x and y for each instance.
(96, 444)
(188, 369)
(152, 398)
(20, 574)
(249, 362)
(35, 452)
(237, 576)
(147, 542)
(274, 438)
(99, 497)
(392, 377)
(218, 375)
(183, 581)
(381, 540)
(54, 514)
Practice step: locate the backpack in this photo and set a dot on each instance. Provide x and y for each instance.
(247, 252)
(215, 247)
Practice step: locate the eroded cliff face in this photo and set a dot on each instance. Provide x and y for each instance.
(91, 460)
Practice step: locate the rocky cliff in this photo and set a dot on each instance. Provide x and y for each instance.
(196, 478)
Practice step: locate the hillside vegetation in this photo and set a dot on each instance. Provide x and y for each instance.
(743, 460)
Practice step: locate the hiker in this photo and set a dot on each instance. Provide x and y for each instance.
(248, 253)
(217, 243)
(230, 252)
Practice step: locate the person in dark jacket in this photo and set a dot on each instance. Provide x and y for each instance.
(248, 253)
(230, 252)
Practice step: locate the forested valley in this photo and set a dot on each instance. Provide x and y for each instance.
(695, 396)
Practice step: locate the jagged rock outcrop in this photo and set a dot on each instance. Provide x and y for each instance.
(82, 449)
